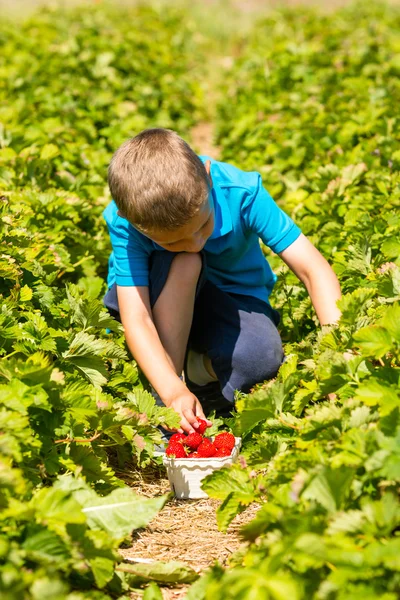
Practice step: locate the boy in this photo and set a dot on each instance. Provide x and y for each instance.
(187, 277)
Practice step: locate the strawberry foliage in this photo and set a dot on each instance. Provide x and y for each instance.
(311, 102)
(73, 85)
(313, 107)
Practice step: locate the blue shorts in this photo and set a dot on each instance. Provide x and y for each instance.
(238, 332)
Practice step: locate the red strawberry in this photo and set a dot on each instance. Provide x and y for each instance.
(224, 440)
(193, 455)
(202, 425)
(175, 450)
(193, 440)
(177, 437)
(206, 449)
(222, 452)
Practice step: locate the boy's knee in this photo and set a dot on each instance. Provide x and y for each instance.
(188, 264)
(257, 359)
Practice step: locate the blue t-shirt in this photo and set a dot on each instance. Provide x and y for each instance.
(244, 212)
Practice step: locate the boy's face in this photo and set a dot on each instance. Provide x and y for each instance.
(190, 237)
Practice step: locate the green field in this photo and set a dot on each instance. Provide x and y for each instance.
(311, 101)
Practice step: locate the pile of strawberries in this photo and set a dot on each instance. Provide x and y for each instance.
(195, 445)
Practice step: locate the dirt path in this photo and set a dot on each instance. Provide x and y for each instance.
(203, 140)
(185, 530)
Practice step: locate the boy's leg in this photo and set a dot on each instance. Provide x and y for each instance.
(240, 337)
(173, 309)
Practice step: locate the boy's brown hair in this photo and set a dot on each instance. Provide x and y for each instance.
(157, 181)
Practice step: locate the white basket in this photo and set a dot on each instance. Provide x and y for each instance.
(186, 474)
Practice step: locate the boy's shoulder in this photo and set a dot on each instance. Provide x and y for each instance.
(119, 227)
(227, 175)
(110, 213)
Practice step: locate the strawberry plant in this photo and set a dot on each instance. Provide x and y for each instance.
(84, 81)
(313, 107)
(311, 102)
(73, 85)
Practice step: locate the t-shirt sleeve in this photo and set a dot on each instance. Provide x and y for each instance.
(262, 215)
(131, 257)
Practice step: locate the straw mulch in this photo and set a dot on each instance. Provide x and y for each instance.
(184, 530)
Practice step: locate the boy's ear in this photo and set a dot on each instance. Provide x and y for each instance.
(207, 165)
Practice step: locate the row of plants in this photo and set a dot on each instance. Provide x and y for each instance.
(312, 103)
(73, 85)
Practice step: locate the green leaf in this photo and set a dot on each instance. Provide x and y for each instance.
(44, 545)
(46, 588)
(227, 511)
(198, 590)
(173, 571)
(49, 151)
(260, 406)
(223, 482)
(373, 341)
(350, 175)
(391, 248)
(253, 584)
(268, 515)
(92, 368)
(374, 391)
(288, 367)
(25, 293)
(352, 304)
(329, 487)
(359, 416)
(121, 511)
(152, 592)
(346, 522)
(103, 570)
(143, 401)
(391, 321)
(56, 507)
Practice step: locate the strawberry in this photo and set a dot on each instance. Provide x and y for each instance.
(177, 437)
(202, 425)
(193, 455)
(193, 440)
(175, 450)
(224, 440)
(206, 449)
(222, 452)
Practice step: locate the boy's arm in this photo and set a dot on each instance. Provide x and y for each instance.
(308, 264)
(277, 230)
(144, 343)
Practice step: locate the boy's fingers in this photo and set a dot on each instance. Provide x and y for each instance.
(186, 424)
(191, 419)
(186, 427)
(201, 415)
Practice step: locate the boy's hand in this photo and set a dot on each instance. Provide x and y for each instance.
(189, 408)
